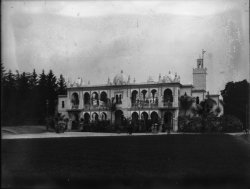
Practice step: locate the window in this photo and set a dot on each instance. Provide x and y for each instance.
(62, 104)
(118, 98)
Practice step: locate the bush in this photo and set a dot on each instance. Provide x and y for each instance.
(231, 123)
(212, 123)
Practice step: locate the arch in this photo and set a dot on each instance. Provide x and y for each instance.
(135, 117)
(144, 92)
(153, 94)
(103, 116)
(168, 96)
(86, 117)
(154, 117)
(118, 99)
(104, 97)
(95, 116)
(134, 96)
(75, 99)
(75, 120)
(95, 99)
(86, 98)
(118, 117)
(144, 116)
(168, 119)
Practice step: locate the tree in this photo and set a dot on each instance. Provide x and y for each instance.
(62, 88)
(236, 100)
(24, 96)
(186, 103)
(51, 83)
(42, 91)
(205, 109)
(33, 79)
(33, 97)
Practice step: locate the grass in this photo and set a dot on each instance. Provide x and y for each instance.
(145, 160)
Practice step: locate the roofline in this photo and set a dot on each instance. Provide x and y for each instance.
(198, 90)
(136, 85)
(187, 86)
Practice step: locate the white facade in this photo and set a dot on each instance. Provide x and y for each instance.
(122, 98)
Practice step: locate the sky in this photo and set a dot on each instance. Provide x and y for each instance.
(97, 39)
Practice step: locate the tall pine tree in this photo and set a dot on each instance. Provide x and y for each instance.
(52, 92)
(62, 88)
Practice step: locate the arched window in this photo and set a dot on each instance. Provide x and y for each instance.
(103, 116)
(144, 92)
(168, 97)
(95, 99)
(154, 117)
(86, 98)
(95, 116)
(144, 116)
(153, 92)
(75, 100)
(86, 117)
(103, 97)
(135, 117)
(120, 98)
(134, 97)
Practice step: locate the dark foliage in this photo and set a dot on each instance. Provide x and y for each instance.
(27, 98)
(236, 100)
(230, 123)
(213, 124)
(185, 103)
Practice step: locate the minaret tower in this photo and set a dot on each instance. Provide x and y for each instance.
(199, 75)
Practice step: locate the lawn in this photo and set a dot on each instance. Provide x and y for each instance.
(148, 161)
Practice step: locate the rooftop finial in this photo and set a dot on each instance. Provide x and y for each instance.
(203, 52)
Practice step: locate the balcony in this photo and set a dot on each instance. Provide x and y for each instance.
(96, 107)
(144, 105)
(168, 104)
(75, 107)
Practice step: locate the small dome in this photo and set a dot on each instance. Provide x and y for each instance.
(120, 79)
(171, 76)
(150, 80)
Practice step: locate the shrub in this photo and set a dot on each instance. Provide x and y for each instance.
(182, 123)
(231, 123)
(213, 123)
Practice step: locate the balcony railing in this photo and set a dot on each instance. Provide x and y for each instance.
(144, 105)
(96, 107)
(168, 104)
(75, 106)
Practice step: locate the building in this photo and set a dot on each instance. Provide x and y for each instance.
(157, 101)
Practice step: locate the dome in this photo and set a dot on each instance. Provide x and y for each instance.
(120, 79)
(150, 80)
(171, 76)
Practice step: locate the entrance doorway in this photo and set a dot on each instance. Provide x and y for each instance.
(75, 120)
(154, 117)
(118, 117)
(86, 118)
(168, 120)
